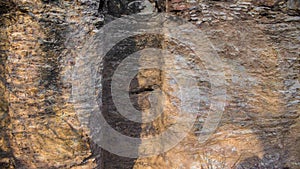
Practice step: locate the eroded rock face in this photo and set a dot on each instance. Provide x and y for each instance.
(258, 44)
(291, 4)
(40, 127)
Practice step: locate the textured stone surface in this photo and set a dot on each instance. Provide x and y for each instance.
(258, 41)
(43, 130)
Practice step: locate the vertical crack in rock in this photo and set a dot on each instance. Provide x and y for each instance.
(111, 61)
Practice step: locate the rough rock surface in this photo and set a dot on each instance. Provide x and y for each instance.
(258, 42)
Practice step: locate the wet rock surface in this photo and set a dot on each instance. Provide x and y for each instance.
(258, 42)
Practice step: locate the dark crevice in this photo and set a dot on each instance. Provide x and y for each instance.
(141, 90)
(6, 6)
(113, 58)
(117, 8)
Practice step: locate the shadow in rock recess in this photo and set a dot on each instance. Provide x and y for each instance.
(105, 159)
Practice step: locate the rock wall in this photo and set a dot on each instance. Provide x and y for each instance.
(41, 129)
(258, 42)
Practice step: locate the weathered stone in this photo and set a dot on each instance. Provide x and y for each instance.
(40, 42)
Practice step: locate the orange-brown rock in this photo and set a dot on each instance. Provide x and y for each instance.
(41, 41)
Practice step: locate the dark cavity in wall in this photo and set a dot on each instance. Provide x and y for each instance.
(117, 8)
(6, 6)
(114, 57)
(112, 9)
